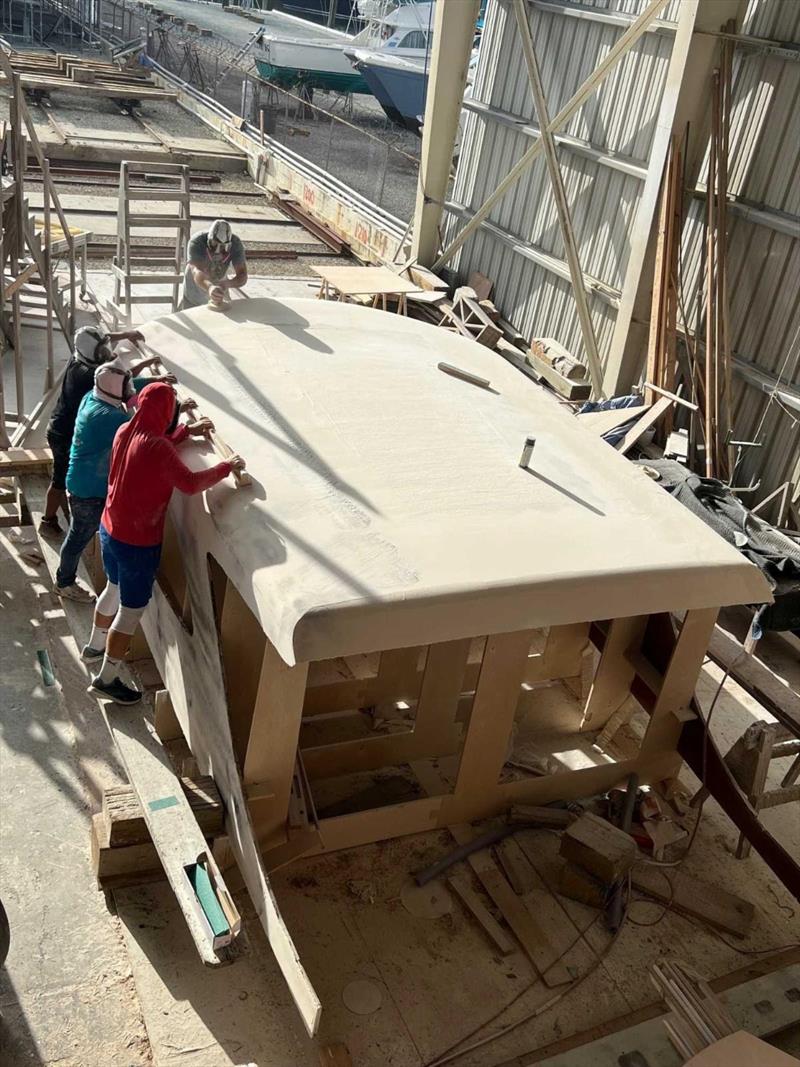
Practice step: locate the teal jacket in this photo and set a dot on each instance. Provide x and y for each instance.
(90, 455)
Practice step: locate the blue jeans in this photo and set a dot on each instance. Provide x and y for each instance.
(85, 513)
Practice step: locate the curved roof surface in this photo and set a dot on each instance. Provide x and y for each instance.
(388, 506)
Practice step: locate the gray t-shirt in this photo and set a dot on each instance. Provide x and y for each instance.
(215, 267)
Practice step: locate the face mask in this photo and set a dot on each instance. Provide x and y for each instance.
(126, 390)
(174, 424)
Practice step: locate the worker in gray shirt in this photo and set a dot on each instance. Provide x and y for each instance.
(211, 255)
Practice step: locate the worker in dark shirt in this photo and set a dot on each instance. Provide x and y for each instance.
(92, 347)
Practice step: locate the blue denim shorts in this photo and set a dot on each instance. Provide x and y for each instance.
(131, 567)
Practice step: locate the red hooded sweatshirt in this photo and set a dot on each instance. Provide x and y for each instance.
(145, 468)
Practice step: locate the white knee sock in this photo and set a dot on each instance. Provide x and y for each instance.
(97, 638)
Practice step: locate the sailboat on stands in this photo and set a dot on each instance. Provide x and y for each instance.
(315, 57)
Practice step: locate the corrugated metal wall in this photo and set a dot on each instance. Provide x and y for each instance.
(603, 155)
(517, 247)
(764, 243)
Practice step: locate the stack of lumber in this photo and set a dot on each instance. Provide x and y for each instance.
(122, 851)
(565, 374)
(697, 1016)
(47, 72)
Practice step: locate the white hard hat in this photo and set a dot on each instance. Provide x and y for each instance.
(88, 339)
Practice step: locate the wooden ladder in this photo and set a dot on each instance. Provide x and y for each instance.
(132, 264)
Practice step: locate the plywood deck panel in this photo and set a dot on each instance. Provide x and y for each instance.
(388, 507)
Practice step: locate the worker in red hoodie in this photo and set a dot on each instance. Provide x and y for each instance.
(145, 468)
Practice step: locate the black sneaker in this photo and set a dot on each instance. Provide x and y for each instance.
(115, 690)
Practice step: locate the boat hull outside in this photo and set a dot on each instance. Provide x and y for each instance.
(328, 81)
(401, 92)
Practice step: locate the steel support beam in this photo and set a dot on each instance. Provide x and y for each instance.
(598, 14)
(623, 45)
(780, 221)
(560, 197)
(453, 35)
(684, 102)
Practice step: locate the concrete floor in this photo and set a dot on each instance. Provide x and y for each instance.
(67, 994)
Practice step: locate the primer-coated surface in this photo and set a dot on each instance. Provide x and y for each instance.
(389, 507)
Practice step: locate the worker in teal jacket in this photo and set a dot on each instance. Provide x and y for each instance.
(101, 413)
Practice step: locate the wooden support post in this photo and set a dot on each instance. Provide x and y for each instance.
(4, 439)
(438, 701)
(562, 655)
(165, 720)
(435, 731)
(492, 718)
(272, 742)
(397, 677)
(679, 681)
(48, 281)
(612, 680)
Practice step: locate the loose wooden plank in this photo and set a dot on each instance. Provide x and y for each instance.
(711, 904)
(643, 424)
(173, 827)
(336, 1055)
(744, 1050)
(25, 461)
(755, 677)
(470, 899)
(528, 814)
(516, 866)
(602, 422)
(526, 929)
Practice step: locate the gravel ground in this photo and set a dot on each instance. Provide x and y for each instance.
(369, 155)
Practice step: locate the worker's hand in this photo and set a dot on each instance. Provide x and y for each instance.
(202, 428)
(187, 405)
(170, 379)
(236, 462)
(134, 335)
(216, 294)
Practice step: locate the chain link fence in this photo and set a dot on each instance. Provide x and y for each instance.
(349, 136)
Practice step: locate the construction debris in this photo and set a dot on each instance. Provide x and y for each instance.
(600, 848)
